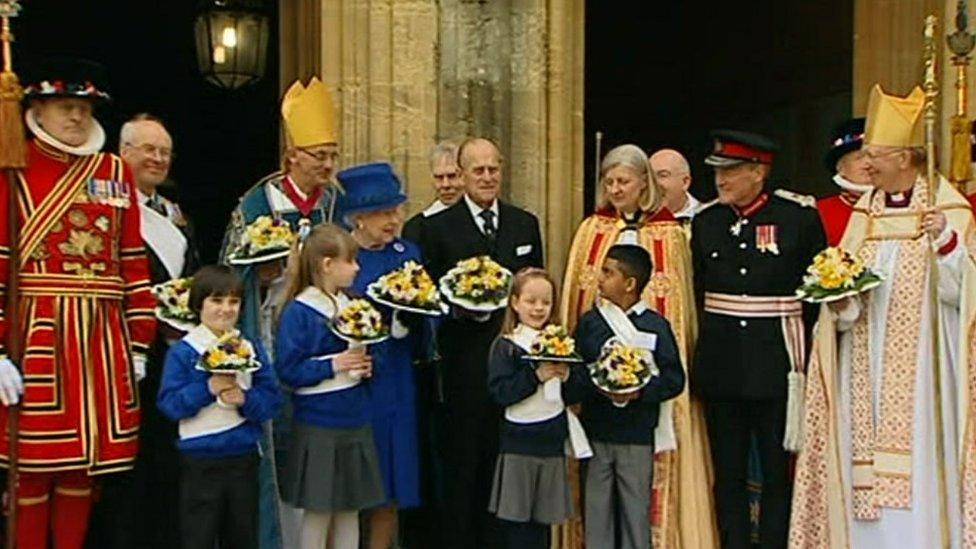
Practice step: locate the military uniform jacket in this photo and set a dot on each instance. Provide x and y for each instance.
(86, 308)
(763, 252)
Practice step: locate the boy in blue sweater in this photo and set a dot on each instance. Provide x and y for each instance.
(621, 427)
(220, 418)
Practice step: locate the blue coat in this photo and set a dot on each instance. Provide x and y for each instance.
(183, 393)
(304, 346)
(393, 387)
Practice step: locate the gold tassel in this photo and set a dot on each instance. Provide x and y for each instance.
(961, 168)
(13, 151)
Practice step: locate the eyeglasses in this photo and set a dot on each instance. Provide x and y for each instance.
(149, 149)
(322, 156)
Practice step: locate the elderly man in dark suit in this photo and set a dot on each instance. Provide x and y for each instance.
(478, 224)
(138, 508)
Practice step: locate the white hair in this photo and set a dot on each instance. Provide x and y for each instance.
(128, 132)
(633, 157)
(442, 150)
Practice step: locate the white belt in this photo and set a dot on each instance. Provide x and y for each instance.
(338, 382)
(544, 404)
(210, 420)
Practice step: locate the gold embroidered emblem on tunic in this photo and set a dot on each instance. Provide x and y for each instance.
(82, 243)
(78, 218)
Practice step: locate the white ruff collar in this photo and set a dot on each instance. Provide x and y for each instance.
(96, 137)
(847, 185)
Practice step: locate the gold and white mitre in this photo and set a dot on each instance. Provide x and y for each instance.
(894, 121)
(309, 114)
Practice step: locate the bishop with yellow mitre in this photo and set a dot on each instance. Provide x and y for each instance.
(878, 468)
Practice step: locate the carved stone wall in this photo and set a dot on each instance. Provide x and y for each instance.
(409, 73)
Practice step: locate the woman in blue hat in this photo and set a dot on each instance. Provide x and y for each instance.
(371, 207)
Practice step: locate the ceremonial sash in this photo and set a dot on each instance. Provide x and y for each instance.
(318, 301)
(621, 326)
(165, 239)
(790, 312)
(546, 402)
(57, 202)
(216, 417)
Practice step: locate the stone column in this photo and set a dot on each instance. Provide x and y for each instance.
(409, 73)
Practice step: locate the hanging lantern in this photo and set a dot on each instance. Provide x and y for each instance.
(232, 41)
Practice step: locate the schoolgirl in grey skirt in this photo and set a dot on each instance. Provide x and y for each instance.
(530, 489)
(332, 470)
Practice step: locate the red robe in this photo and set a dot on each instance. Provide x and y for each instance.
(835, 212)
(85, 309)
(972, 201)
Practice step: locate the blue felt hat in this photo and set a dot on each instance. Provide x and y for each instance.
(368, 188)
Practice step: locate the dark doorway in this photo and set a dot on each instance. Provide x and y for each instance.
(223, 140)
(661, 74)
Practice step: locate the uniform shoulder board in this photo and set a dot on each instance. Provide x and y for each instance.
(801, 199)
(706, 206)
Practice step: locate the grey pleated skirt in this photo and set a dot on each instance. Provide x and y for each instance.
(332, 470)
(531, 488)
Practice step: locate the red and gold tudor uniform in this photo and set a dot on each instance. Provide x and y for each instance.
(85, 310)
(835, 211)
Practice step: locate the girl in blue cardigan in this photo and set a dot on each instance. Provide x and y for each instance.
(220, 418)
(332, 470)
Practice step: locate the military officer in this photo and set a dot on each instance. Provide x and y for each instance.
(750, 249)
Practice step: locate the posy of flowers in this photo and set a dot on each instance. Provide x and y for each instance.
(173, 299)
(834, 274)
(553, 343)
(173, 303)
(409, 288)
(230, 353)
(478, 284)
(265, 238)
(360, 322)
(623, 369)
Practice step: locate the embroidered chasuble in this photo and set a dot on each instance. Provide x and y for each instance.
(868, 473)
(681, 514)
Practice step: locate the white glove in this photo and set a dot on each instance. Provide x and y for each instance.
(11, 383)
(139, 366)
(244, 380)
(399, 330)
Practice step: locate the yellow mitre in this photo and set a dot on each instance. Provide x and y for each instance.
(894, 121)
(309, 114)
